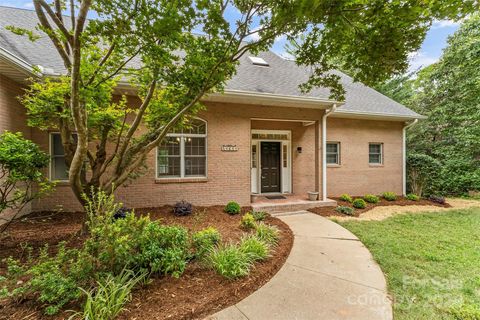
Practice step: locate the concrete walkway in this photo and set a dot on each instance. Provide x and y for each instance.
(328, 275)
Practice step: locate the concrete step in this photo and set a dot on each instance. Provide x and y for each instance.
(293, 206)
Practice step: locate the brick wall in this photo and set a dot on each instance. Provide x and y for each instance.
(354, 175)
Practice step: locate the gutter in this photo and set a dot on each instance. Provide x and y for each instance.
(16, 61)
(324, 150)
(404, 155)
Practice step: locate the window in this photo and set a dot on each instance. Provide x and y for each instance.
(285, 155)
(254, 156)
(58, 167)
(183, 153)
(375, 153)
(333, 153)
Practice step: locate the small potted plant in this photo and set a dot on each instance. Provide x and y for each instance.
(312, 195)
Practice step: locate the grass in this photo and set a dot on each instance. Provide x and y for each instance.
(431, 262)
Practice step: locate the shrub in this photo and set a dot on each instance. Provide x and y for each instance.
(182, 208)
(230, 261)
(422, 173)
(412, 197)
(107, 301)
(204, 241)
(359, 204)
(232, 208)
(370, 198)
(465, 312)
(346, 197)
(254, 248)
(268, 234)
(248, 221)
(437, 199)
(259, 215)
(389, 196)
(345, 210)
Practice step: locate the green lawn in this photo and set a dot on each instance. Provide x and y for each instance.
(431, 262)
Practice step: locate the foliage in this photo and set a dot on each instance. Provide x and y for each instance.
(359, 203)
(345, 210)
(111, 294)
(230, 261)
(254, 248)
(259, 215)
(248, 221)
(447, 92)
(412, 197)
(429, 261)
(346, 197)
(437, 199)
(267, 233)
(370, 198)
(423, 172)
(389, 196)
(155, 47)
(232, 208)
(21, 172)
(204, 241)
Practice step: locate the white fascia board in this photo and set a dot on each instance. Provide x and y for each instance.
(16, 61)
(374, 115)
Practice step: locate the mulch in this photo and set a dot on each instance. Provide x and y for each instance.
(401, 201)
(198, 293)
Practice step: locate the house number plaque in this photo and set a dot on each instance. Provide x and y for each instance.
(229, 148)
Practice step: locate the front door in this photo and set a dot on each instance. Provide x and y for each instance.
(270, 165)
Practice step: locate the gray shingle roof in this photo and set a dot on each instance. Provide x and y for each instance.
(281, 77)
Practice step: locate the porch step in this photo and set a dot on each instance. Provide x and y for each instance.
(293, 206)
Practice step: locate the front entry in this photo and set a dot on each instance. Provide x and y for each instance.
(270, 166)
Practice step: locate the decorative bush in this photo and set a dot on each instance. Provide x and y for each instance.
(423, 173)
(259, 215)
(204, 241)
(230, 261)
(345, 210)
(412, 197)
(248, 221)
(370, 198)
(232, 208)
(359, 204)
(255, 249)
(182, 208)
(389, 196)
(437, 199)
(346, 197)
(268, 234)
(111, 294)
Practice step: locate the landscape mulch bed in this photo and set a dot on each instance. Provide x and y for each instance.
(198, 293)
(401, 201)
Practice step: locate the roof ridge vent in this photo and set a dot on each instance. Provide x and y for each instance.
(259, 61)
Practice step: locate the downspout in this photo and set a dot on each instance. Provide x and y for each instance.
(404, 155)
(324, 150)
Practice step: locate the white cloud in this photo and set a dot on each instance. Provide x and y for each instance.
(438, 24)
(28, 5)
(420, 59)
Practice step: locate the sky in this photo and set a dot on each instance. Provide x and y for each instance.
(430, 52)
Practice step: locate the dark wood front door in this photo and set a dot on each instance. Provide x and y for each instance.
(270, 160)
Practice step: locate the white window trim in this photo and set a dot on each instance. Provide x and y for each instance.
(50, 151)
(182, 154)
(339, 161)
(381, 154)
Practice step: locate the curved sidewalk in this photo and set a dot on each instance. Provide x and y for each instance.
(328, 275)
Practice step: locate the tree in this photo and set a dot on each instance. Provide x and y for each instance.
(21, 177)
(151, 45)
(447, 92)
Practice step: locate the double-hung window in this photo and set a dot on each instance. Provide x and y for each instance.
(58, 167)
(375, 153)
(183, 153)
(333, 153)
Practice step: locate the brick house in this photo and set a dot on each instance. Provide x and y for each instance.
(262, 136)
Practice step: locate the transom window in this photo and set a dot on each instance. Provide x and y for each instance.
(58, 167)
(375, 153)
(183, 153)
(333, 153)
